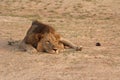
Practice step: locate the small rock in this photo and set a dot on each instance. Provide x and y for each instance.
(98, 44)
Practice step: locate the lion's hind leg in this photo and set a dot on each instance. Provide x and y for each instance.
(27, 47)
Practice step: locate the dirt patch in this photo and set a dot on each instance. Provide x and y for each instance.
(84, 22)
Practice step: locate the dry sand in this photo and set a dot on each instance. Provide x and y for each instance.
(84, 22)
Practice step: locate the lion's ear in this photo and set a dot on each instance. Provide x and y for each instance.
(39, 37)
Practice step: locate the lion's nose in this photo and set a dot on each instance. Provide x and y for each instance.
(55, 49)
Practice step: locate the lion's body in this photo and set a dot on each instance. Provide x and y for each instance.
(44, 38)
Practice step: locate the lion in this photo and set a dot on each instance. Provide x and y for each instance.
(43, 38)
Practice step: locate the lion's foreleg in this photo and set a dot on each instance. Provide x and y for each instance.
(70, 44)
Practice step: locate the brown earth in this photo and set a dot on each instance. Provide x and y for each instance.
(84, 22)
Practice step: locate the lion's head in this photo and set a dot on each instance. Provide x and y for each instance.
(50, 43)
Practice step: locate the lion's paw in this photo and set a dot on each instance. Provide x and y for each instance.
(79, 48)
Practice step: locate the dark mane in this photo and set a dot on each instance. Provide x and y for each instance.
(42, 28)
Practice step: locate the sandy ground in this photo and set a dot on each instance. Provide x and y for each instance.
(84, 22)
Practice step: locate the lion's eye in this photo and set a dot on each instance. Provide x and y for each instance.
(47, 42)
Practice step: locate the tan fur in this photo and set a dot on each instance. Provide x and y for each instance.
(43, 38)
